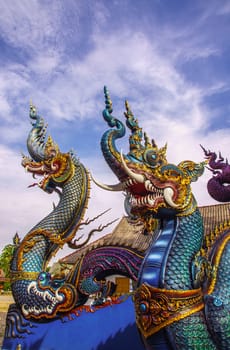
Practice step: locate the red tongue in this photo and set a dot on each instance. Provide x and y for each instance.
(32, 185)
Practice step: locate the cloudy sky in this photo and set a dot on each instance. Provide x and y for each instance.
(170, 59)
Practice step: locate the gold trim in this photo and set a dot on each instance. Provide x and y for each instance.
(23, 275)
(157, 308)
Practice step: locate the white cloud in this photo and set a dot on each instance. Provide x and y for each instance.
(20, 207)
(14, 81)
(133, 65)
(29, 24)
(74, 89)
(45, 63)
(128, 61)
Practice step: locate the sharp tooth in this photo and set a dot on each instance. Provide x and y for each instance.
(168, 195)
(150, 187)
(49, 309)
(150, 200)
(58, 296)
(37, 310)
(32, 285)
(130, 182)
(24, 310)
(45, 295)
(147, 185)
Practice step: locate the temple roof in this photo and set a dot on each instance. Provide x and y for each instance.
(131, 235)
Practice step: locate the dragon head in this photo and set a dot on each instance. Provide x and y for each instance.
(46, 160)
(152, 185)
(219, 184)
(47, 296)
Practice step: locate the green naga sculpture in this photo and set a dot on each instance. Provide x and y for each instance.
(182, 298)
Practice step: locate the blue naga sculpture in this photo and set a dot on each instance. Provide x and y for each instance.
(182, 299)
(47, 308)
(182, 296)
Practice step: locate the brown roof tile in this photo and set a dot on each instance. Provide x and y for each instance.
(214, 215)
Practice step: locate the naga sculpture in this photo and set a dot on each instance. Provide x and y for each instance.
(219, 185)
(182, 299)
(43, 302)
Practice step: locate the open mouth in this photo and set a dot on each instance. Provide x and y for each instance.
(36, 169)
(141, 190)
(51, 299)
(143, 194)
(42, 182)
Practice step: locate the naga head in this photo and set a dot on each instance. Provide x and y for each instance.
(48, 296)
(46, 160)
(219, 184)
(152, 185)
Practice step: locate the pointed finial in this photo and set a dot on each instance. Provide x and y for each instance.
(33, 111)
(108, 102)
(16, 239)
(147, 142)
(51, 148)
(128, 110)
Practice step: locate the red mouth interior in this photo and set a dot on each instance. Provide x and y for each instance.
(138, 190)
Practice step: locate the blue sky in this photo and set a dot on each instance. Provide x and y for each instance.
(170, 59)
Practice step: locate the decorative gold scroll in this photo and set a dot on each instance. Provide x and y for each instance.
(157, 308)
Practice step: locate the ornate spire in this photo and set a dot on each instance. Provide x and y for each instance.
(51, 148)
(38, 147)
(148, 152)
(135, 138)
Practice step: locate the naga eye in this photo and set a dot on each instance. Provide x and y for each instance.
(151, 158)
(42, 276)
